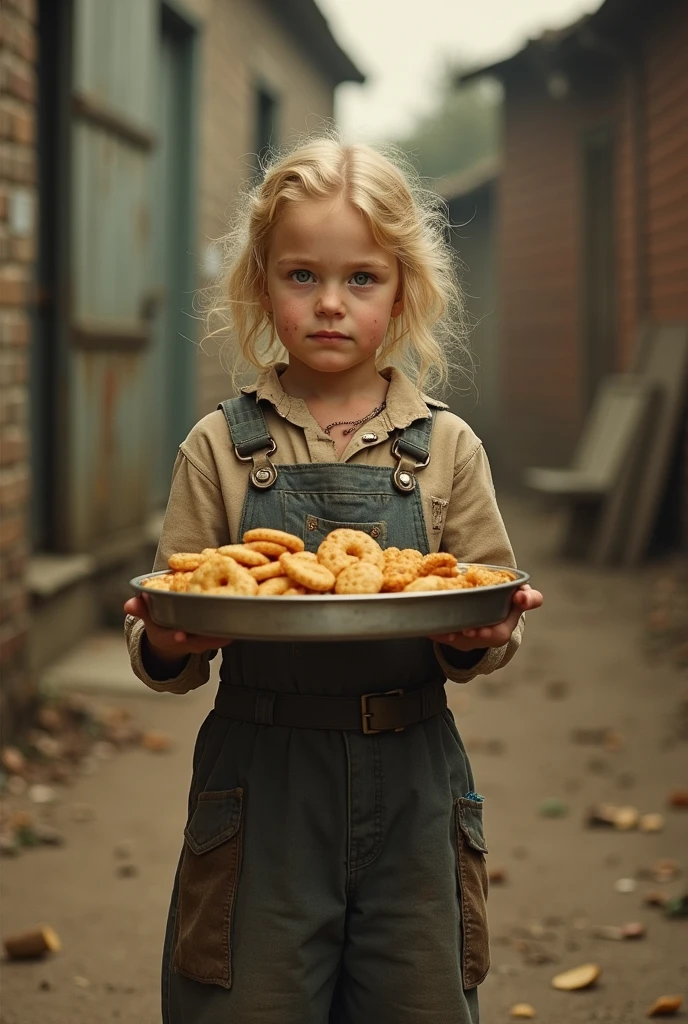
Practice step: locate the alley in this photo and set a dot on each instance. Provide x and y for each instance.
(531, 732)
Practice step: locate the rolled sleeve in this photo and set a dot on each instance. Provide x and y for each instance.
(195, 519)
(474, 531)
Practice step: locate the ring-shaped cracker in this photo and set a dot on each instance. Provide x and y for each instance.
(267, 547)
(274, 587)
(159, 582)
(439, 563)
(287, 540)
(243, 555)
(267, 572)
(186, 561)
(343, 546)
(360, 578)
(307, 573)
(223, 572)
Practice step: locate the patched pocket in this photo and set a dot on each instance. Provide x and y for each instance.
(471, 850)
(208, 879)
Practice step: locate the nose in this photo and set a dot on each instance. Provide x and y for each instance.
(330, 302)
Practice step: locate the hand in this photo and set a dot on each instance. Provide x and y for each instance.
(170, 644)
(525, 600)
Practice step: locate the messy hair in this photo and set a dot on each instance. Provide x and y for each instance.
(427, 339)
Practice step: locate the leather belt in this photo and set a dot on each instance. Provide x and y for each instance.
(392, 710)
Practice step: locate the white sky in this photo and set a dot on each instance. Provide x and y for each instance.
(400, 45)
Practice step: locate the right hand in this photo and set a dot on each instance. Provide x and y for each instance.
(170, 644)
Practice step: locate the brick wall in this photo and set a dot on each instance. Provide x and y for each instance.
(541, 230)
(18, 202)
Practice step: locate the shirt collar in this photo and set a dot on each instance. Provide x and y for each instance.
(404, 402)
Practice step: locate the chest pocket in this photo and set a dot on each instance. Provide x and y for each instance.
(316, 529)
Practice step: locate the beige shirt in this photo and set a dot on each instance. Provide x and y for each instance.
(209, 486)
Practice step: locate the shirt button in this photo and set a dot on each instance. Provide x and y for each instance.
(368, 438)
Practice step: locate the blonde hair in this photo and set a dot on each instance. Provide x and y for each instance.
(427, 339)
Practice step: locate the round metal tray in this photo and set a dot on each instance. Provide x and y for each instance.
(332, 616)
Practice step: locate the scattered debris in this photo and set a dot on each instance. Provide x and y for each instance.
(524, 1011)
(626, 818)
(677, 907)
(633, 930)
(497, 876)
(557, 690)
(44, 985)
(679, 799)
(123, 850)
(34, 943)
(520, 853)
(40, 794)
(654, 898)
(589, 737)
(81, 982)
(665, 1006)
(613, 742)
(598, 766)
(157, 742)
(625, 885)
(601, 816)
(665, 870)
(553, 807)
(577, 978)
(13, 760)
(651, 823)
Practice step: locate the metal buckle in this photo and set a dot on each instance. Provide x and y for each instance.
(249, 458)
(366, 714)
(395, 453)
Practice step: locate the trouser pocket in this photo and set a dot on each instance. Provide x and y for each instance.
(208, 879)
(472, 870)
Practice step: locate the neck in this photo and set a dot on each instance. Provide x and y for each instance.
(363, 380)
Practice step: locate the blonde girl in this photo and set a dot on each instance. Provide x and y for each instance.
(333, 867)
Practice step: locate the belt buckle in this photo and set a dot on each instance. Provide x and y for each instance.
(366, 714)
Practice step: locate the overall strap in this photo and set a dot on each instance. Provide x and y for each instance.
(412, 449)
(251, 438)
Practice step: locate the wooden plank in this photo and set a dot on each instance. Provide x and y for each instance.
(125, 336)
(663, 360)
(90, 109)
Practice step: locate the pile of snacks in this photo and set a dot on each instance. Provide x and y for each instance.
(271, 563)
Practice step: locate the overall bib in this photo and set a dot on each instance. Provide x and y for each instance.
(328, 874)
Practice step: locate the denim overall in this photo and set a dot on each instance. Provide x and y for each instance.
(329, 875)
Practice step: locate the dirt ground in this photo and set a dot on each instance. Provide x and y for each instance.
(582, 667)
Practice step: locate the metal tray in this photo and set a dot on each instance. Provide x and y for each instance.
(332, 616)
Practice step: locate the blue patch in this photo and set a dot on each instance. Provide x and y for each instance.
(475, 796)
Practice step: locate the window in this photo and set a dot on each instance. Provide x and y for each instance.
(265, 124)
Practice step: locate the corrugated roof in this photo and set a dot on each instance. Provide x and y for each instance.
(306, 22)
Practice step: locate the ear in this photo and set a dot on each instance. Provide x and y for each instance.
(398, 306)
(266, 303)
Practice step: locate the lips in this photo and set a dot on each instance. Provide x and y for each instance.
(329, 334)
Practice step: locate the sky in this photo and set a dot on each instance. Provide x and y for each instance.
(401, 51)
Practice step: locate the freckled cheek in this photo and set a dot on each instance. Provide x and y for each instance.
(288, 319)
(373, 328)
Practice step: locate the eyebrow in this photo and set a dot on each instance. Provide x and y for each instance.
(350, 266)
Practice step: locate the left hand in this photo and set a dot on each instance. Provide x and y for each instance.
(525, 600)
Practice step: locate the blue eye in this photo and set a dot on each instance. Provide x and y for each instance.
(366, 278)
(301, 276)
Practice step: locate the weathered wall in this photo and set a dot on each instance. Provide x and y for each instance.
(643, 98)
(17, 210)
(243, 44)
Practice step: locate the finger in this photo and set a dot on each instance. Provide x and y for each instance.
(444, 638)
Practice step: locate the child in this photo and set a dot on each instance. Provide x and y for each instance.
(332, 872)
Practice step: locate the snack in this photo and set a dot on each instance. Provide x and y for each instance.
(307, 573)
(344, 547)
(273, 563)
(360, 578)
(220, 573)
(243, 555)
(439, 563)
(287, 540)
